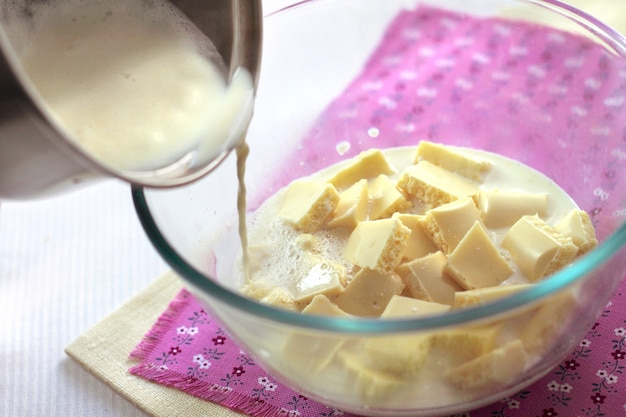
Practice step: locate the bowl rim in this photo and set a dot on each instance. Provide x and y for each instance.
(358, 326)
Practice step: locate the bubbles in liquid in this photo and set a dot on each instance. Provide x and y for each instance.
(287, 264)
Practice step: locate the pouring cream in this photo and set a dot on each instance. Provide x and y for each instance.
(135, 84)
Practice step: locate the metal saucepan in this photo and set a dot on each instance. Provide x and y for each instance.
(36, 157)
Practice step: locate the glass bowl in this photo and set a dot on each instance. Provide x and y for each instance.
(535, 81)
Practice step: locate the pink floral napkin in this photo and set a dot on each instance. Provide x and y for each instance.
(565, 78)
(187, 349)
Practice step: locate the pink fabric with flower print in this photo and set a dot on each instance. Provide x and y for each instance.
(186, 349)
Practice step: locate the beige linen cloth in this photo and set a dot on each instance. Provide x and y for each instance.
(103, 350)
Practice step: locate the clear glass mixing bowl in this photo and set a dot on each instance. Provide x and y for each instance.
(536, 81)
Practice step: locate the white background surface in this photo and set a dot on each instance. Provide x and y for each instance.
(65, 263)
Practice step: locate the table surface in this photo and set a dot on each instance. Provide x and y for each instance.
(67, 262)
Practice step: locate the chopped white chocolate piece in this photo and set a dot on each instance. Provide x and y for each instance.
(476, 262)
(368, 164)
(399, 306)
(537, 248)
(447, 158)
(496, 368)
(426, 279)
(317, 349)
(385, 198)
(369, 292)
(577, 225)
(352, 207)
(257, 288)
(485, 295)
(368, 384)
(307, 204)
(398, 355)
(467, 343)
(377, 244)
(434, 185)
(547, 322)
(447, 224)
(322, 306)
(279, 297)
(320, 277)
(403, 354)
(419, 243)
(504, 208)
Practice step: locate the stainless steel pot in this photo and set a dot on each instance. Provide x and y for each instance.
(36, 157)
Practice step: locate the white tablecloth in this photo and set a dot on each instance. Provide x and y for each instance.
(65, 263)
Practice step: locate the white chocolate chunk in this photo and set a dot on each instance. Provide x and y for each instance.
(377, 244)
(369, 292)
(547, 322)
(447, 224)
(538, 249)
(352, 207)
(403, 354)
(368, 164)
(485, 295)
(319, 350)
(321, 276)
(434, 185)
(279, 297)
(419, 243)
(368, 384)
(307, 204)
(504, 208)
(312, 351)
(577, 225)
(496, 368)
(399, 306)
(385, 198)
(476, 262)
(447, 158)
(399, 355)
(467, 343)
(322, 306)
(426, 279)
